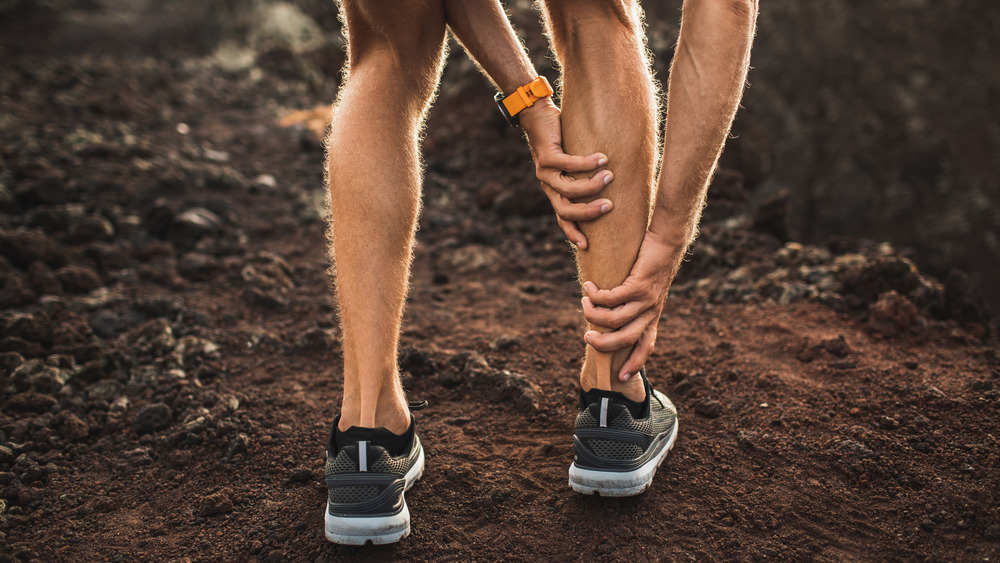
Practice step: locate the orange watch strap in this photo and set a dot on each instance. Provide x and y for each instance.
(526, 96)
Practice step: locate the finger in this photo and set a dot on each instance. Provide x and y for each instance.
(573, 233)
(616, 317)
(624, 337)
(640, 354)
(569, 211)
(571, 188)
(553, 157)
(611, 297)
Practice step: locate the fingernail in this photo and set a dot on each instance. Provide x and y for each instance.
(587, 337)
(602, 161)
(608, 178)
(583, 302)
(605, 208)
(626, 377)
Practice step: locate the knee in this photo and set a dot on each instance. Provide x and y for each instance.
(739, 10)
(403, 39)
(583, 20)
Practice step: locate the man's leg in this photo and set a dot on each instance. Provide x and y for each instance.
(609, 105)
(394, 61)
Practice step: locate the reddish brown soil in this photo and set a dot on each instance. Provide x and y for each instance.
(794, 444)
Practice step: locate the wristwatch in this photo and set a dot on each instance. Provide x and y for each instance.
(522, 98)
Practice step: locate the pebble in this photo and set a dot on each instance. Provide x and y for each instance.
(190, 226)
(416, 362)
(78, 279)
(300, 475)
(74, 428)
(239, 444)
(709, 409)
(152, 418)
(218, 503)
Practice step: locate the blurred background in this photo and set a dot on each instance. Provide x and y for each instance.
(874, 120)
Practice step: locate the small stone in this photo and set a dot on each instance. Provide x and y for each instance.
(239, 444)
(844, 364)
(892, 315)
(606, 547)
(709, 409)
(43, 280)
(190, 226)
(927, 525)
(966, 468)
(74, 428)
(417, 362)
(887, 423)
(32, 402)
(218, 503)
(505, 342)
(152, 418)
(78, 279)
(6, 456)
(91, 228)
(837, 346)
(300, 475)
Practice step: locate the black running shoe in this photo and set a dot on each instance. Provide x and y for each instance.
(619, 443)
(367, 472)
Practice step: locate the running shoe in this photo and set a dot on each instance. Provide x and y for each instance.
(619, 443)
(367, 472)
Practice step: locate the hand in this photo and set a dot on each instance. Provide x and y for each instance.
(633, 308)
(553, 167)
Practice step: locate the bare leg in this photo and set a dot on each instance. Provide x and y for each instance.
(394, 61)
(609, 105)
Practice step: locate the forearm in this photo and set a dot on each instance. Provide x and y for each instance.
(484, 30)
(706, 84)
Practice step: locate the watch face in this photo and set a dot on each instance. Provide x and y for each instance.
(511, 119)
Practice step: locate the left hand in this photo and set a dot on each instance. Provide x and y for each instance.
(633, 308)
(553, 168)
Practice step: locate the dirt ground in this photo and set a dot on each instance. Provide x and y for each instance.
(169, 355)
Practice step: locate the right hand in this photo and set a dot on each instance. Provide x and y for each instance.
(553, 167)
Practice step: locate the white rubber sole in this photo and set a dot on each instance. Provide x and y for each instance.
(378, 530)
(619, 484)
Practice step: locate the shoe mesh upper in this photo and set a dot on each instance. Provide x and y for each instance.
(661, 419)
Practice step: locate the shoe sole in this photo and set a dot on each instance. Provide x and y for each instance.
(619, 483)
(379, 530)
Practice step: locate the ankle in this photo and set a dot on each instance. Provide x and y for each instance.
(633, 389)
(390, 412)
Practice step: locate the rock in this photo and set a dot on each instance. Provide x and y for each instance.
(6, 456)
(137, 457)
(43, 280)
(239, 444)
(153, 339)
(23, 246)
(74, 428)
(471, 258)
(28, 470)
(16, 292)
(316, 339)
(91, 228)
(43, 376)
(106, 323)
(887, 423)
(78, 279)
(191, 225)
(194, 350)
(873, 278)
(218, 503)
(31, 402)
(709, 409)
(844, 364)
(606, 547)
(34, 327)
(10, 361)
(505, 342)
(417, 362)
(301, 475)
(837, 346)
(152, 418)
(892, 315)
